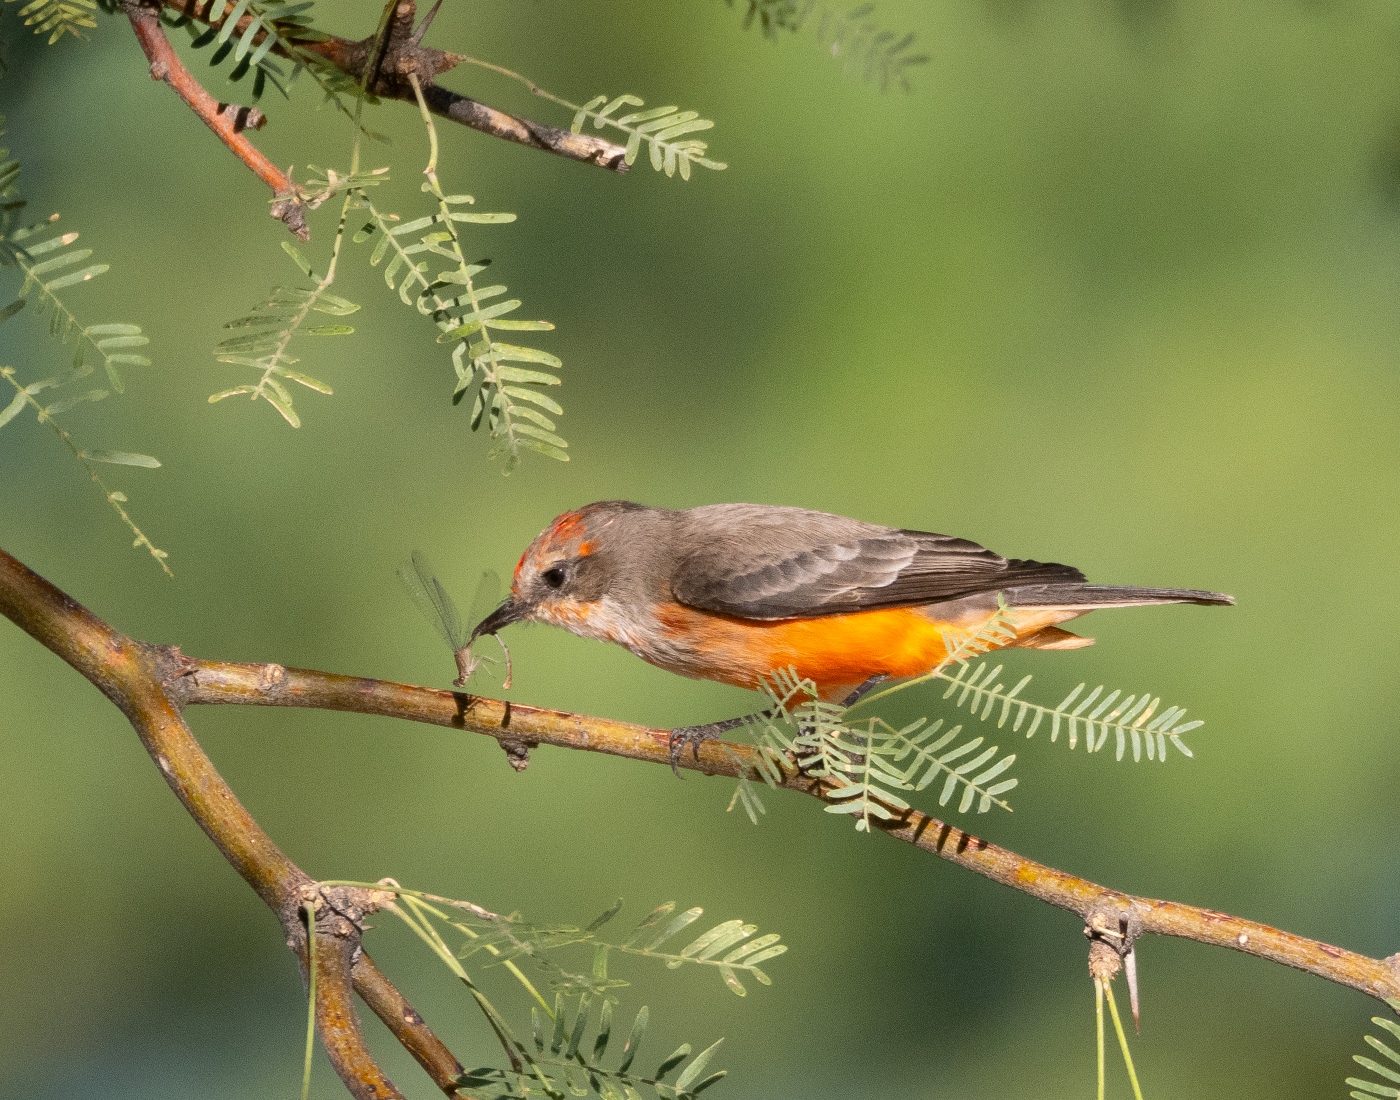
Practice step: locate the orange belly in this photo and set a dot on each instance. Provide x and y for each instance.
(838, 652)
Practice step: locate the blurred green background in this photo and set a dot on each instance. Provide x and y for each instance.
(1115, 285)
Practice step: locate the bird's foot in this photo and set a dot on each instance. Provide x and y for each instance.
(682, 736)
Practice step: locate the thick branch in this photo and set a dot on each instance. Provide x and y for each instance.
(400, 55)
(336, 947)
(131, 674)
(167, 66)
(514, 725)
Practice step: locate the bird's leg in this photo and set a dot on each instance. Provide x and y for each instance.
(694, 735)
(682, 736)
(864, 690)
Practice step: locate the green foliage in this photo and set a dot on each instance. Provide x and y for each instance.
(503, 395)
(730, 948)
(1363, 1089)
(561, 1063)
(502, 383)
(558, 1061)
(269, 329)
(46, 260)
(660, 128)
(866, 49)
(865, 763)
(274, 27)
(1128, 718)
(56, 18)
(855, 38)
(773, 16)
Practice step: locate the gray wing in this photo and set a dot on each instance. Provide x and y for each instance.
(761, 562)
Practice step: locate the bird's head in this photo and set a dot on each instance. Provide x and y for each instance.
(565, 571)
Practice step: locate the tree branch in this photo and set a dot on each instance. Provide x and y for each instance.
(132, 675)
(513, 725)
(166, 65)
(400, 54)
(152, 684)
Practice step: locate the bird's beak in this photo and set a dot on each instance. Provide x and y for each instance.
(512, 611)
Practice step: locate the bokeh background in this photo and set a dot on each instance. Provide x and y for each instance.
(1115, 285)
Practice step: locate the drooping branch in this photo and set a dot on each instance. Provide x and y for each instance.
(400, 53)
(131, 674)
(288, 205)
(152, 685)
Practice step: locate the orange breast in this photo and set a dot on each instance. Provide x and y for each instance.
(838, 652)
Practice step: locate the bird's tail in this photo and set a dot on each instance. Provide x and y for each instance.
(1090, 596)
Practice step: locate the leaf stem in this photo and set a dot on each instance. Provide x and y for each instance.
(1107, 987)
(309, 908)
(113, 498)
(1098, 1032)
(490, 395)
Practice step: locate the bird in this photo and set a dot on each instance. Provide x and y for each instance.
(738, 593)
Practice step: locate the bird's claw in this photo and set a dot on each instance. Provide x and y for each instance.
(682, 736)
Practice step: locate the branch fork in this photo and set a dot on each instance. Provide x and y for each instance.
(386, 64)
(288, 201)
(1111, 927)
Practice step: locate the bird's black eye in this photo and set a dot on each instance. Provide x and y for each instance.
(553, 577)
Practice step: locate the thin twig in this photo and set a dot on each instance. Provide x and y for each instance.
(403, 1021)
(401, 54)
(114, 498)
(166, 65)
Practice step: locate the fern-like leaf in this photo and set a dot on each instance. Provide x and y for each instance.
(662, 129)
(1131, 719)
(503, 383)
(867, 49)
(273, 27)
(773, 16)
(268, 332)
(26, 397)
(853, 37)
(726, 946)
(557, 1060)
(51, 265)
(729, 947)
(46, 263)
(866, 764)
(56, 18)
(1388, 1071)
(560, 1061)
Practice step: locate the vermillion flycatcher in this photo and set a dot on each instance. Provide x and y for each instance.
(737, 592)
